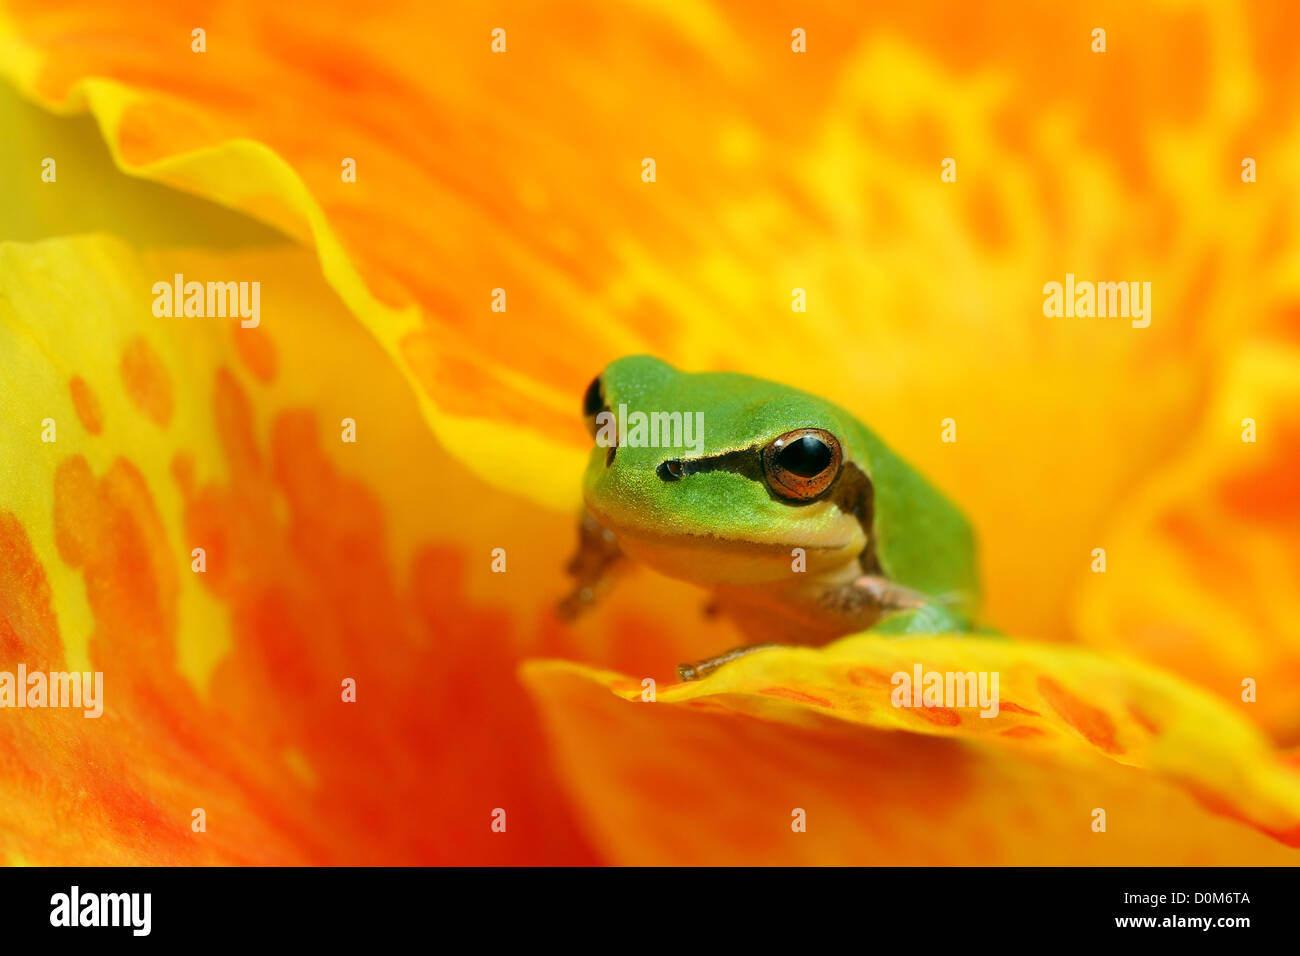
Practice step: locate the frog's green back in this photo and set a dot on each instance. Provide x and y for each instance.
(922, 540)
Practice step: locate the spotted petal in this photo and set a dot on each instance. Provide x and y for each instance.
(1072, 707)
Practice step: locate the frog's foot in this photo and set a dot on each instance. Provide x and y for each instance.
(698, 670)
(930, 619)
(862, 602)
(591, 567)
(884, 595)
(875, 603)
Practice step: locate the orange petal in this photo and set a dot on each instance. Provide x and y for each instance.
(1201, 568)
(522, 171)
(321, 560)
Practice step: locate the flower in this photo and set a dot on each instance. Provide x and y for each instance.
(326, 560)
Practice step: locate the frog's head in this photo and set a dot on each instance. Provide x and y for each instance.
(717, 477)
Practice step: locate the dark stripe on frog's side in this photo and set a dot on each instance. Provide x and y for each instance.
(853, 494)
(851, 491)
(742, 461)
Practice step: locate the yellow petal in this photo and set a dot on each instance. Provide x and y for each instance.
(1058, 701)
(697, 783)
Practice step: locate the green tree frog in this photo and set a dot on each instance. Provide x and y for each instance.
(801, 522)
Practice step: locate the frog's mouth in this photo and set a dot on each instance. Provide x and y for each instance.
(844, 534)
(742, 557)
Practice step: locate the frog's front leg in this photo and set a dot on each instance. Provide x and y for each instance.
(698, 670)
(866, 602)
(592, 567)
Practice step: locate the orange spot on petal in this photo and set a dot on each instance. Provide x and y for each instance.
(110, 528)
(147, 383)
(183, 472)
(943, 716)
(1215, 802)
(254, 348)
(1266, 493)
(795, 695)
(1093, 723)
(1022, 732)
(1149, 725)
(87, 405)
(28, 628)
(708, 705)
(867, 677)
(1017, 709)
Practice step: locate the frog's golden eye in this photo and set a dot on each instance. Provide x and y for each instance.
(802, 464)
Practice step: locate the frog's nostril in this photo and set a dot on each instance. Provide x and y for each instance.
(670, 470)
(609, 455)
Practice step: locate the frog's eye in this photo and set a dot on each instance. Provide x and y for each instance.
(802, 464)
(592, 400)
(593, 403)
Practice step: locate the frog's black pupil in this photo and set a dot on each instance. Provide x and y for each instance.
(806, 456)
(592, 401)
